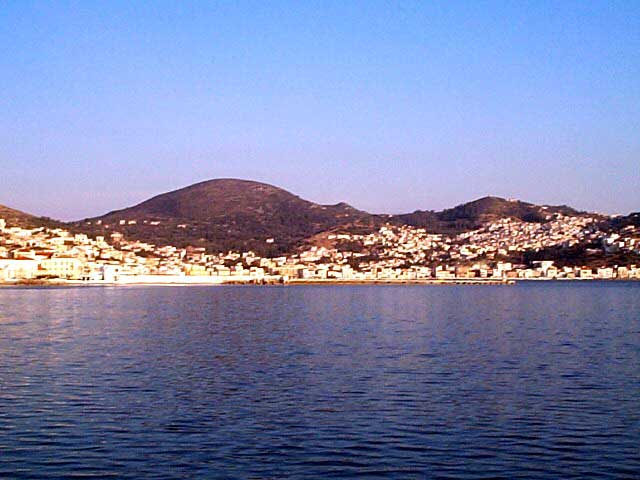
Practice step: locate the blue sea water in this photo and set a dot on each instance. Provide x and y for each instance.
(536, 380)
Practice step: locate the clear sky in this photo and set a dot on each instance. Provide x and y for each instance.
(389, 106)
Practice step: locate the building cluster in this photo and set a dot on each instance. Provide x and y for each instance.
(392, 253)
(406, 253)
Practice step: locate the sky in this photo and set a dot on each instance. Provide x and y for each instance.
(389, 106)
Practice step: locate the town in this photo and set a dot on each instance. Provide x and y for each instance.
(390, 254)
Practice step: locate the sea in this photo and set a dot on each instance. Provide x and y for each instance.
(538, 380)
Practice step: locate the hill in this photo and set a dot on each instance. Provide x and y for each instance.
(472, 215)
(225, 214)
(232, 214)
(17, 218)
(620, 222)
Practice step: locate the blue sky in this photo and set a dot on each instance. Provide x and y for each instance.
(389, 106)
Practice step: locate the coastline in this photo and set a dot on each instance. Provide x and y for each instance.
(179, 282)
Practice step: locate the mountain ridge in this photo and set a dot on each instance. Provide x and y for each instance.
(231, 186)
(228, 213)
(471, 215)
(237, 214)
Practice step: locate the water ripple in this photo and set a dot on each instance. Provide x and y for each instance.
(534, 381)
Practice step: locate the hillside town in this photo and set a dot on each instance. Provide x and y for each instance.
(390, 254)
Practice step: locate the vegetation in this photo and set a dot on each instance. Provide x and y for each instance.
(226, 214)
(17, 218)
(231, 214)
(472, 215)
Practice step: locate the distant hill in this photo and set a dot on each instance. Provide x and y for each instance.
(20, 219)
(232, 214)
(225, 214)
(620, 222)
(471, 215)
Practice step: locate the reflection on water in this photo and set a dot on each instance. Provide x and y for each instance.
(535, 380)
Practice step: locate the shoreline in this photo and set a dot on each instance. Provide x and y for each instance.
(301, 282)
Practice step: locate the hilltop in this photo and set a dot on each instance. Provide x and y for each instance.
(232, 214)
(472, 215)
(224, 214)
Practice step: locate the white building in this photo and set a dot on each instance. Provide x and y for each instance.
(12, 269)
